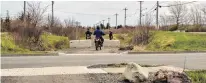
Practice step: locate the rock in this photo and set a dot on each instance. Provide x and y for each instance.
(162, 74)
(135, 73)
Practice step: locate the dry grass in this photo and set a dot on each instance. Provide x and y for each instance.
(139, 48)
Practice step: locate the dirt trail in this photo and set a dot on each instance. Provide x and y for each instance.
(90, 50)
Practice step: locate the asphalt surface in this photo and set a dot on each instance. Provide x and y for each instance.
(192, 60)
(78, 78)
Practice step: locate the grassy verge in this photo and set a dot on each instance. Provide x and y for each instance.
(8, 45)
(53, 42)
(166, 41)
(125, 39)
(197, 76)
(50, 42)
(175, 41)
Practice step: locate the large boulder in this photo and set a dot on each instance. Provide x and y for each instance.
(137, 74)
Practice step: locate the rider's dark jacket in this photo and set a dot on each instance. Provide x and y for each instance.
(98, 33)
(88, 33)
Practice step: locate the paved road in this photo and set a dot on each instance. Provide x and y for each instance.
(193, 60)
(75, 78)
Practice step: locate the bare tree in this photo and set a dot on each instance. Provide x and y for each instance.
(68, 22)
(56, 23)
(36, 12)
(196, 14)
(164, 20)
(71, 22)
(148, 19)
(204, 15)
(178, 11)
(204, 10)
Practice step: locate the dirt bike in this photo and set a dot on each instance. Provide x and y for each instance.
(98, 43)
(88, 37)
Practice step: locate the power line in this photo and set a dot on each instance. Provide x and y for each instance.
(163, 2)
(86, 14)
(133, 14)
(151, 10)
(179, 4)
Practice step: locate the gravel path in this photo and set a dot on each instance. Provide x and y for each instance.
(81, 78)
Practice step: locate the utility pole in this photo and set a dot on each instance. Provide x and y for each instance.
(140, 15)
(116, 20)
(100, 23)
(103, 21)
(24, 12)
(157, 15)
(7, 14)
(108, 20)
(52, 14)
(94, 25)
(76, 26)
(97, 24)
(125, 16)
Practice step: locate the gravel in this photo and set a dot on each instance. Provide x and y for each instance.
(75, 78)
(117, 65)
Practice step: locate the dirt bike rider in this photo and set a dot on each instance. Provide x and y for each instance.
(88, 34)
(110, 35)
(98, 34)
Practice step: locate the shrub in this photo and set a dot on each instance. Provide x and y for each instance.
(28, 37)
(196, 28)
(173, 28)
(53, 42)
(8, 44)
(141, 35)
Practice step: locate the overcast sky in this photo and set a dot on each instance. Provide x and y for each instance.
(91, 12)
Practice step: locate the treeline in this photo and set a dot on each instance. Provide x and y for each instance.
(182, 17)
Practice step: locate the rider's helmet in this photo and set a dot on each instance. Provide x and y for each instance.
(98, 27)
